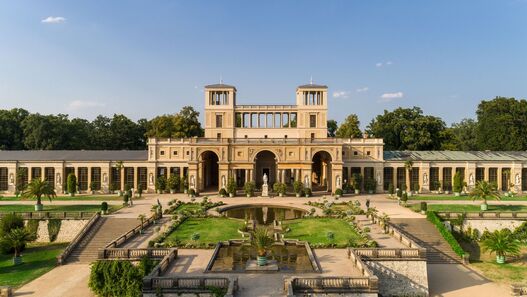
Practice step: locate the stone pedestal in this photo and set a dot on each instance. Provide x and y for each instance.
(252, 266)
(265, 190)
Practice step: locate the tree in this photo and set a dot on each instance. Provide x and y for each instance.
(38, 188)
(408, 129)
(71, 184)
(350, 127)
(11, 132)
(16, 240)
(502, 124)
(262, 242)
(484, 190)
(461, 136)
(502, 243)
(332, 128)
(181, 125)
(45, 132)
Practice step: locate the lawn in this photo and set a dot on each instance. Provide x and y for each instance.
(211, 230)
(38, 259)
(109, 197)
(51, 207)
(468, 207)
(189, 207)
(462, 198)
(315, 230)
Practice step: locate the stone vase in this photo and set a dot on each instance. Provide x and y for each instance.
(500, 259)
(261, 260)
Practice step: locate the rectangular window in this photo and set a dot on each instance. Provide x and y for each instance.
(22, 177)
(312, 121)
(269, 120)
(218, 135)
(238, 120)
(461, 171)
(219, 121)
(480, 174)
(36, 172)
(49, 176)
(277, 120)
(387, 178)
(96, 178)
(3, 179)
(129, 176)
(246, 120)
(447, 179)
(401, 178)
(293, 120)
(524, 179)
(285, 120)
(161, 171)
(142, 177)
(368, 173)
(434, 178)
(414, 179)
(505, 178)
(116, 178)
(493, 175)
(83, 178)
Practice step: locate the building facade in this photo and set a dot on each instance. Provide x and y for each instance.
(284, 142)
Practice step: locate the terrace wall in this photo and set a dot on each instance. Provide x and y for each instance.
(401, 278)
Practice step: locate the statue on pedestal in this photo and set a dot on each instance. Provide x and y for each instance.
(265, 186)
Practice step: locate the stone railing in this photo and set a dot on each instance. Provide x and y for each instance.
(397, 233)
(133, 253)
(330, 285)
(131, 233)
(40, 215)
(391, 253)
(483, 215)
(518, 290)
(190, 284)
(160, 268)
(62, 257)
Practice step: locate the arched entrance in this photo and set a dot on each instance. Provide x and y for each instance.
(209, 170)
(321, 172)
(265, 162)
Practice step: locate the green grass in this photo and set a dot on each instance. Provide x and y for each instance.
(468, 207)
(38, 259)
(211, 230)
(462, 198)
(51, 207)
(110, 197)
(315, 230)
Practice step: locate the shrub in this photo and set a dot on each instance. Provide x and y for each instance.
(195, 236)
(174, 182)
(54, 228)
(356, 180)
(330, 235)
(447, 235)
(126, 198)
(223, 192)
(404, 197)
(370, 185)
(231, 186)
(10, 221)
(338, 192)
(161, 183)
(140, 190)
(308, 192)
(458, 182)
(192, 192)
(391, 189)
(72, 184)
(424, 206)
(298, 186)
(399, 193)
(104, 206)
(249, 188)
(280, 188)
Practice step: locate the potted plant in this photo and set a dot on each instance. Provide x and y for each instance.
(113, 188)
(231, 187)
(161, 184)
(15, 240)
(185, 185)
(338, 193)
(173, 183)
(298, 186)
(38, 188)
(126, 198)
(356, 181)
(502, 243)
(307, 192)
(93, 186)
(391, 190)
(399, 193)
(384, 219)
(222, 193)
(458, 184)
(72, 184)
(484, 190)
(249, 188)
(192, 193)
(139, 190)
(404, 198)
(262, 242)
(424, 207)
(104, 207)
(141, 218)
(447, 185)
(370, 186)
(280, 188)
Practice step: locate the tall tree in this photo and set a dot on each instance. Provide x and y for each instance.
(11, 132)
(332, 128)
(461, 136)
(350, 127)
(502, 124)
(45, 132)
(180, 125)
(408, 129)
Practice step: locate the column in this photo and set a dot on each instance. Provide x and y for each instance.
(499, 178)
(441, 177)
(42, 171)
(394, 177)
(136, 177)
(362, 174)
(121, 173)
(486, 174)
(89, 178)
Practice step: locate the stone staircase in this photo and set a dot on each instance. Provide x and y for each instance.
(423, 232)
(105, 230)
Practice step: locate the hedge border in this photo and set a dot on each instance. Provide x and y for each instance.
(447, 235)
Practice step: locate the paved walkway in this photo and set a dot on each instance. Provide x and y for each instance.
(377, 234)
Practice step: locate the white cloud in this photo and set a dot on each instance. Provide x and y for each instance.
(387, 97)
(389, 63)
(383, 64)
(361, 90)
(378, 64)
(80, 104)
(341, 94)
(54, 20)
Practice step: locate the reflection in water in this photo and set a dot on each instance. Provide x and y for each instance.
(290, 258)
(264, 214)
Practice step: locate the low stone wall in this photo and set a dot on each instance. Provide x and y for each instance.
(401, 278)
(68, 230)
(491, 224)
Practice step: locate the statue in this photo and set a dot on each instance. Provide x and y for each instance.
(265, 180)
(223, 182)
(339, 184)
(58, 179)
(151, 179)
(192, 181)
(306, 181)
(265, 186)
(517, 179)
(425, 179)
(471, 179)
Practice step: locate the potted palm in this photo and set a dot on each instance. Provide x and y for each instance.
(161, 184)
(280, 188)
(484, 190)
(173, 183)
(502, 244)
(231, 187)
(16, 240)
(38, 188)
(93, 186)
(139, 191)
(262, 242)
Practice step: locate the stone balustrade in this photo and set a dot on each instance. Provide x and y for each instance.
(42, 215)
(62, 257)
(133, 253)
(483, 215)
(132, 233)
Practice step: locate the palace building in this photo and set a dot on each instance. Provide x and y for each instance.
(244, 142)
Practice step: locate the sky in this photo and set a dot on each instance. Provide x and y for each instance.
(146, 58)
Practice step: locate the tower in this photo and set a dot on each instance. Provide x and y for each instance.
(220, 100)
(311, 101)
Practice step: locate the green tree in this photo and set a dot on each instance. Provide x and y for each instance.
(181, 125)
(11, 132)
(484, 190)
(461, 136)
(45, 132)
(408, 129)
(350, 127)
(16, 240)
(38, 188)
(332, 128)
(502, 124)
(502, 243)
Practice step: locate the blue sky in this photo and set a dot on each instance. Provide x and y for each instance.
(144, 58)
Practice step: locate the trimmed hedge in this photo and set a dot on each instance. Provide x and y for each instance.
(447, 235)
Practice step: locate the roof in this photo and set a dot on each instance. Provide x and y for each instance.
(74, 155)
(312, 86)
(220, 86)
(455, 155)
